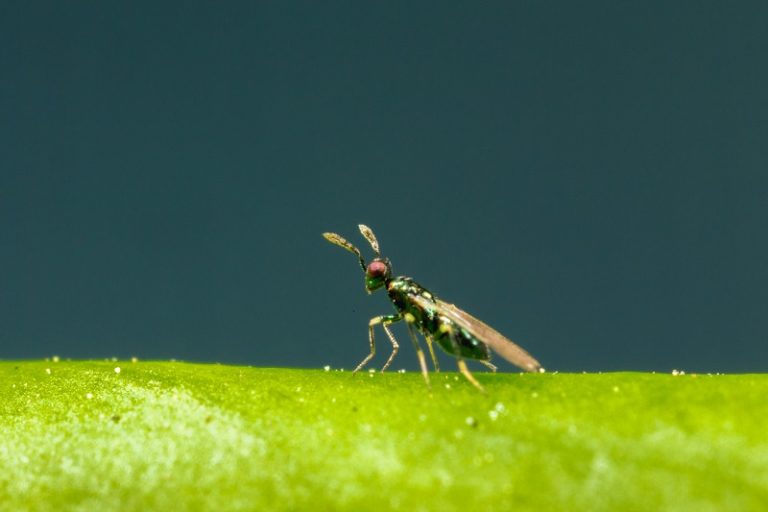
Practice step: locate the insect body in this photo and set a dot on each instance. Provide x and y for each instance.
(455, 331)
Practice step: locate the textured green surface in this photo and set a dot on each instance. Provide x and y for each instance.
(175, 436)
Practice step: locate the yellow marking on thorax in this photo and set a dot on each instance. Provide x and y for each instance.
(409, 318)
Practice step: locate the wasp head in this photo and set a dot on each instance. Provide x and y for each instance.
(377, 273)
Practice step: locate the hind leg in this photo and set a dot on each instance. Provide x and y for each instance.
(448, 329)
(488, 365)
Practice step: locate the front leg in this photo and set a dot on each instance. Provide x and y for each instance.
(384, 320)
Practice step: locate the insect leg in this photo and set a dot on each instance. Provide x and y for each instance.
(395, 345)
(465, 371)
(489, 365)
(409, 319)
(384, 320)
(432, 352)
(448, 328)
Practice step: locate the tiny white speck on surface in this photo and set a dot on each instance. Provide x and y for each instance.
(447, 386)
(113, 359)
(499, 407)
(371, 370)
(48, 371)
(117, 369)
(470, 421)
(542, 370)
(494, 415)
(401, 370)
(89, 396)
(55, 359)
(134, 359)
(327, 368)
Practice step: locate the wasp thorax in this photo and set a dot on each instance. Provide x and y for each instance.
(377, 274)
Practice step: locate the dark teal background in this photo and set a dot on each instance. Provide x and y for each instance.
(589, 178)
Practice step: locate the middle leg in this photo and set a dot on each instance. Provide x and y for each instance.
(432, 352)
(409, 320)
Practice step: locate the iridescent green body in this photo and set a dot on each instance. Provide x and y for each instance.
(404, 292)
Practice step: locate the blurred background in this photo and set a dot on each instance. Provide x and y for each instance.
(591, 179)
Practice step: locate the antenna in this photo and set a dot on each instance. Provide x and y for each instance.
(341, 242)
(368, 234)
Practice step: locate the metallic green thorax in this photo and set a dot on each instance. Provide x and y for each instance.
(402, 291)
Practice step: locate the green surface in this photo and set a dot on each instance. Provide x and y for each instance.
(175, 436)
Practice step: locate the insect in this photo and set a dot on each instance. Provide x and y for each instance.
(455, 331)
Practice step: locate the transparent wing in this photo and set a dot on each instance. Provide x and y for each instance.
(485, 333)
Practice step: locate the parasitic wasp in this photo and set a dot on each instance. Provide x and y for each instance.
(457, 332)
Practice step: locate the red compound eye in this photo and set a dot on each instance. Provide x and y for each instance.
(377, 269)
